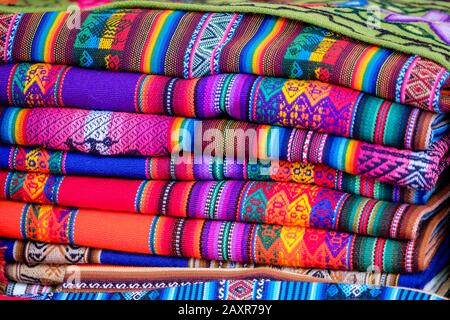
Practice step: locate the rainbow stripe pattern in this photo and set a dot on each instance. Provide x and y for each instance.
(116, 133)
(41, 160)
(195, 44)
(311, 104)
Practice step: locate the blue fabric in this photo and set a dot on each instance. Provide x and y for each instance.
(141, 260)
(418, 280)
(252, 290)
(130, 167)
(9, 253)
(110, 257)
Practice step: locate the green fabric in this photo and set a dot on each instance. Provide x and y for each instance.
(33, 5)
(413, 37)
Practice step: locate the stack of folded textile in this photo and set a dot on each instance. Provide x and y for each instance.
(164, 150)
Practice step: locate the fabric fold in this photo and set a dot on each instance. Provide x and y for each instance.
(287, 204)
(118, 133)
(218, 240)
(196, 44)
(36, 254)
(13, 289)
(49, 161)
(255, 289)
(312, 105)
(154, 150)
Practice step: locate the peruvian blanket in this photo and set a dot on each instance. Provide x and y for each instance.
(17, 290)
(195, 44)
(264, 139)
(255, 289)
(28, 254)
(39, 160)
(280, 203)
(313, 105)
(119, 133)
(221, 240)
(103, 277)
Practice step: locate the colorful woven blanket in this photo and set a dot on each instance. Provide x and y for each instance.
(252, 290)
(211, 150)
(195, 44)
(218, 240)
(118, 133)
(208, 168)
(41, 254)
(311, 105)
(14, 289)
(288, 204)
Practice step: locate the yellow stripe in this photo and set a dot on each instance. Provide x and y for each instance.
(261, 145)
(373, 216)
(321, 49)
(153, 38)
(175, 135)
(362, 67)
(49, 42)
(257, 59)
(20, 127)
(350, 156)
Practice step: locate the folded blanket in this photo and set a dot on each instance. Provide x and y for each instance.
(37, 253)
(217, 240)
(166, 168)
(195, 44)
(12, 288)
(440, 284)
(3, 279)
(316, 103)
(71, 275)
(260, 289)
(20, 289)
(117, 133)
(288, 204)
(83, 277)
(391, 28)
(34, 253)
(311, 105)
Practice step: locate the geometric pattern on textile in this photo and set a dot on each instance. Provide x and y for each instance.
(303, 104)
(117, 133)
(286, 204)
(184, 42)
(40, 160)
(258, 289)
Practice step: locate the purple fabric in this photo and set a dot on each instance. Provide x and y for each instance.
(113, 91)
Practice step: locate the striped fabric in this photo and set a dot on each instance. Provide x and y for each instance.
(194, 44)
(36, 253)
(302, 104)
(253, 290)
(167, 168)
(220, 240)
(170, 150)
(288, 204)
(117, 133)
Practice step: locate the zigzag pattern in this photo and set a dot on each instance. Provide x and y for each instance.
(213, 32)
(5, 21)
